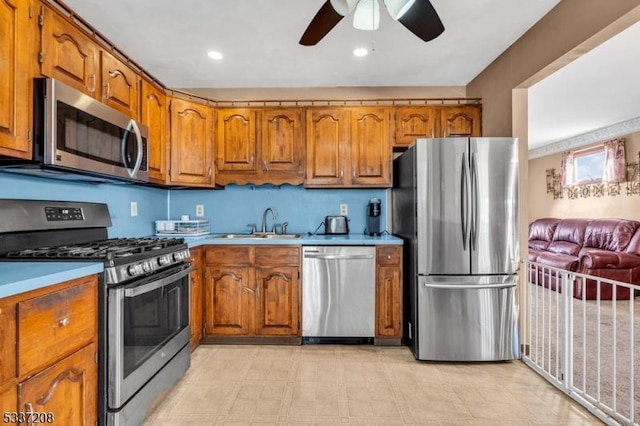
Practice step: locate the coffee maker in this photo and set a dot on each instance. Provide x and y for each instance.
(373, 219)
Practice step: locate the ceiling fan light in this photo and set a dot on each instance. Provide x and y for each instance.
(344, 7)
(367, 16)
(397, 8)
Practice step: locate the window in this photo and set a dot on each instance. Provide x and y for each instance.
(604, 163)
(588, 166)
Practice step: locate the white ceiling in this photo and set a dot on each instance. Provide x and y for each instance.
(259, 39)
(599, 89)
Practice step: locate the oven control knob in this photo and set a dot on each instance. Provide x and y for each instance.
(135, 270)
(147, 266)
(178, 256)
(164, 260)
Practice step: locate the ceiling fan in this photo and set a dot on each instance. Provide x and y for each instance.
(418, 16)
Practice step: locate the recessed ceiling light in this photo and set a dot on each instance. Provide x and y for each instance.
(215, 55)
(360, 51)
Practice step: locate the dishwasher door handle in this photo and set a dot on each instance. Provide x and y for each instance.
(338, 256)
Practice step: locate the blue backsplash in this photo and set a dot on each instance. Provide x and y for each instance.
(228, 210)
(152, 202)
(231, 209)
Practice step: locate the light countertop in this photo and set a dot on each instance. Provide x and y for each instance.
(19, 277)
(304, 240)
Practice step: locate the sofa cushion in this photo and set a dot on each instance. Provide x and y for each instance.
(558, 260)
(569, 236)
(541, 232)
(610, 234)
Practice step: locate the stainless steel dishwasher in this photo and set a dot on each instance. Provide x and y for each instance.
(338, 292)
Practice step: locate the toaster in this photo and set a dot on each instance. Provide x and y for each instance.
(335, 225)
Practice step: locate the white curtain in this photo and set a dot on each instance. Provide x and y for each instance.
(614, 161)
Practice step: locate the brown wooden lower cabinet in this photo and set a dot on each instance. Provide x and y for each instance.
(388, 292)
(196, 294)
(252, 291)
(67, 390)
(48, 353)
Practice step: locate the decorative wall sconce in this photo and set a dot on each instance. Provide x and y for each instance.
(553, 184)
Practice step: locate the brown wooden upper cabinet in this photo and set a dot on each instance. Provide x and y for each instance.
(119, 85)
(17, 67)
(153, 113)
(430, 121)
(348, 147)
(235, 142)
(281, 145)
(67, 54)
(413, 122)
(191, 144)
(259, 146)
(70, 56)
(462, 120)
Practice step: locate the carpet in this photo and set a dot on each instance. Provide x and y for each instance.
(604, 370)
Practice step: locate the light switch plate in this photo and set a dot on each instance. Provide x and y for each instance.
(199, 210)
(134, 208)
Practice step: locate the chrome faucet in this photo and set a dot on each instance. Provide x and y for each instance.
(264, 219)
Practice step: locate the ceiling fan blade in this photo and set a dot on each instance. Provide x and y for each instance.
(422, 20)
(321, 24)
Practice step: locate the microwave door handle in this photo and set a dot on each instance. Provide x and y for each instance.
(136, 131)
(133, 126)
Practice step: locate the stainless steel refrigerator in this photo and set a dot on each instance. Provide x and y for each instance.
(455, 203)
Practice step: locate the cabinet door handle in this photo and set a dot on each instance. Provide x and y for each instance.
(353, 172)
(92, 84)
(64, 322)
(265, 167)
(250, 289)
(107, 90)
(341, 172)
(209, 172)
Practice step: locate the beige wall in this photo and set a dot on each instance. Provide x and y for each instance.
(329, 93)
(543, 205)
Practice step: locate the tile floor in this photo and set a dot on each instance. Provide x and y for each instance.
(365, 385)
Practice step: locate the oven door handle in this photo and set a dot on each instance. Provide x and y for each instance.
(154, 285)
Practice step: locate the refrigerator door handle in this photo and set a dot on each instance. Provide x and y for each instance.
(464, 202)
(469, 286)
(473, 237)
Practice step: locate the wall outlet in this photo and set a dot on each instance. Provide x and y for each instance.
(344, 209)
(199, 210)
(134, 208)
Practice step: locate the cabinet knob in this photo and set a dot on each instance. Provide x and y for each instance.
(63, 322)
(389, 256)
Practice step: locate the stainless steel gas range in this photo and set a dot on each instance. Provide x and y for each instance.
(143, 303)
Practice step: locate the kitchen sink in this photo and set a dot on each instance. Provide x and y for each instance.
(255, 236)
(283, 236)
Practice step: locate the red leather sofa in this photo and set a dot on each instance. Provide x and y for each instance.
(606, 248)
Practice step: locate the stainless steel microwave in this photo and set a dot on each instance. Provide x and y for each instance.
(76, 137)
